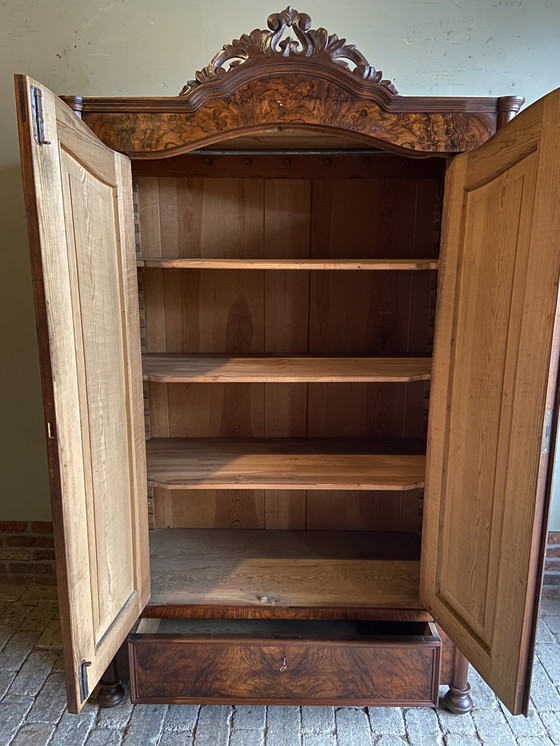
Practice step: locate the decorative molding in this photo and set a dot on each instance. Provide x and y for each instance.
(508, 107)
(316, 43)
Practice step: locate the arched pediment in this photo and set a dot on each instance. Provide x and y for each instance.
(291, 77)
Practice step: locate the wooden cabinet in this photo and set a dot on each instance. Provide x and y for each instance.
(253, 341)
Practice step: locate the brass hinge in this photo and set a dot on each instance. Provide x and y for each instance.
(84, 685)
(38, 121)
(547, 431)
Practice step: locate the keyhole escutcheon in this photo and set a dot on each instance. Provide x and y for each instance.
(283, 664)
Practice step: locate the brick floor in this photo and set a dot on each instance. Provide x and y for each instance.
(32, 711)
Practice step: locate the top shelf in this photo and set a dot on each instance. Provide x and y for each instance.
(295, 264)
(180, 368)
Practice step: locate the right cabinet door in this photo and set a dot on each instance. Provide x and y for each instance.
(493, 389)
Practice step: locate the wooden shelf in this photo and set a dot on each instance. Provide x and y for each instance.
(285, 463)
(264, 569)
(307, 264)
(177, 368)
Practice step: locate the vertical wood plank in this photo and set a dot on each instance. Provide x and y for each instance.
(363, 511)
(287, 224)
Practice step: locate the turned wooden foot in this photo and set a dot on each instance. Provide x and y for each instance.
(110, 690)
(458, 699)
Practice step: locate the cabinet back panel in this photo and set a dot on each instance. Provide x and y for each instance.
(287, 218)
(373, 218)
(320, 312)
(369, 313)
(318, 410)
(288, 509)
(204, 311)
(201, 217)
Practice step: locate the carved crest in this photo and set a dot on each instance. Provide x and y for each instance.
(317, 43)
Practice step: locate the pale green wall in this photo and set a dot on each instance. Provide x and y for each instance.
(146, 48)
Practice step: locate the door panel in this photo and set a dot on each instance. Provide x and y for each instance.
(494, 376)
(79, 205)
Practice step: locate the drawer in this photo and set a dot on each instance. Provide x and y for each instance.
(284, 662)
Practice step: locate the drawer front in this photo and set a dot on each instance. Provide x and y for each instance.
(184, 670)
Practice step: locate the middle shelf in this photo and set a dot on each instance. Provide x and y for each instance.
(163, 262)
(180, 368)
(286, 463)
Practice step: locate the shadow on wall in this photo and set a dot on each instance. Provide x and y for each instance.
(24, 493)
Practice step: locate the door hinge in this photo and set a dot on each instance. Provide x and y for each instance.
(547, 431)
(84, 686)
(38, 121)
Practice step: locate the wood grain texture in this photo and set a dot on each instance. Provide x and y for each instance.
(284, 264)
(497, 325)
(79, 196)
(275, 463)
(286, 230)
(286, 509)
(328, 672)
(288, 569)
(225, 311)
(179, 610)
(447, 658)
(196, 410)
(195, 508)
(302, 95)
(299, 216)
(363, 511)
(371, 410)
(97, 304)
(178, 368)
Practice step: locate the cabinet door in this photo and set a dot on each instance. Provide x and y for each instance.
(494, 381)
(80, 219)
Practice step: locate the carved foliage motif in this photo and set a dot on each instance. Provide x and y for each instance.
(317, 43)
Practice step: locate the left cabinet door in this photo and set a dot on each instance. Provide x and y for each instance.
(80, 220)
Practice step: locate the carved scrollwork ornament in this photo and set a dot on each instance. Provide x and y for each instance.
(316, 43)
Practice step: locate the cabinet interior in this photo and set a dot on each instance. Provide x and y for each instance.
(287, 309)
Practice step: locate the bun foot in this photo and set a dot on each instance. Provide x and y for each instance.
(110, 696)
(458, 701)
(110, 691)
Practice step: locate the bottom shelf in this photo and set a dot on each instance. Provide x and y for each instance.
(252, 572)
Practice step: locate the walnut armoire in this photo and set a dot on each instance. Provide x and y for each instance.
(299, 349)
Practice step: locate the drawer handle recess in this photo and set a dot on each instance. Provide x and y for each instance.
(283, 664)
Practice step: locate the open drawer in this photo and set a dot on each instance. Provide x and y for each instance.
(284, 661)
